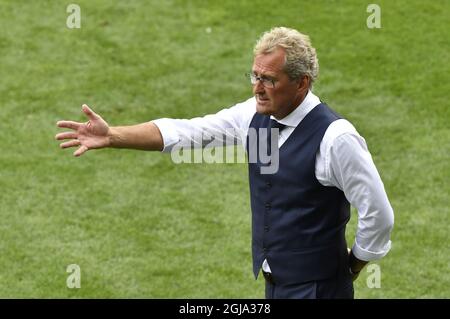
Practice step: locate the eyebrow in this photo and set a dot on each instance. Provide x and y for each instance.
(266, 76)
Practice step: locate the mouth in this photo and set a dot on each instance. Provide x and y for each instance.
(262, 99)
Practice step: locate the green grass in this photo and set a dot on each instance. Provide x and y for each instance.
(139, 225)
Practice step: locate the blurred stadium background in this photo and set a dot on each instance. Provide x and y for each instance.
(139, 225)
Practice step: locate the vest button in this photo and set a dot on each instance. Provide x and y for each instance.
(269, 184)
(268, 206)
(266, 229)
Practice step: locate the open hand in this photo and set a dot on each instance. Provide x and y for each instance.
(90, 135)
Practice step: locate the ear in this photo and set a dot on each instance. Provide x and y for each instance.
(303, 84)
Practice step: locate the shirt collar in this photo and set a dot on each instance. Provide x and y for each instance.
(299, 113)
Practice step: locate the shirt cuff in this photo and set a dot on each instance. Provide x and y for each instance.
(168, 133)
(367, 255)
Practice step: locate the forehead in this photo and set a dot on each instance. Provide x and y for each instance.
(270, 63)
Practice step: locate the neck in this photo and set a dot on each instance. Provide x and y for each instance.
(295, 103)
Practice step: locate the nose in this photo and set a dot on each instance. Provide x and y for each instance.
(258, 88)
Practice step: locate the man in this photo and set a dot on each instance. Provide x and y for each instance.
(300, 210)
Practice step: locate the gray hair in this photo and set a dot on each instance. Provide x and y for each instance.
(301, 58)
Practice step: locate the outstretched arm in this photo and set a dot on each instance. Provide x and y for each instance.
(96, 134)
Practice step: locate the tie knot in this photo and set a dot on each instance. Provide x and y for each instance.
(276, 124)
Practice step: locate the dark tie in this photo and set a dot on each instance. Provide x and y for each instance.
(273, 124)
(276, 124)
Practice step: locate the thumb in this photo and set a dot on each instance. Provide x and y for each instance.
(90, 114)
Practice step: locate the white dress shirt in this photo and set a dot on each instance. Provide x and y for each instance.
(342, 161)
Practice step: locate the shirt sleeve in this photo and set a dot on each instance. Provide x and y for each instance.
(228, 126)
(349, 166)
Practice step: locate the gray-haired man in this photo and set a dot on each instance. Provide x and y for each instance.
(299, 213)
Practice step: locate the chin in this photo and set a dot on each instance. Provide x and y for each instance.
(262, 109)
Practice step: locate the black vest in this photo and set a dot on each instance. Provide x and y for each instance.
(298, 224)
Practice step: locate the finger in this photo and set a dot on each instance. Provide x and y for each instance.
(80, 151)
(71, 143)
(91, 114)
(66, 135)
(69, 124)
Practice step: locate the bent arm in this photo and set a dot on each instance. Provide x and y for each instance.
(351, 169)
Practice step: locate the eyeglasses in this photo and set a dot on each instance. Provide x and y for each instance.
(266, 82)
